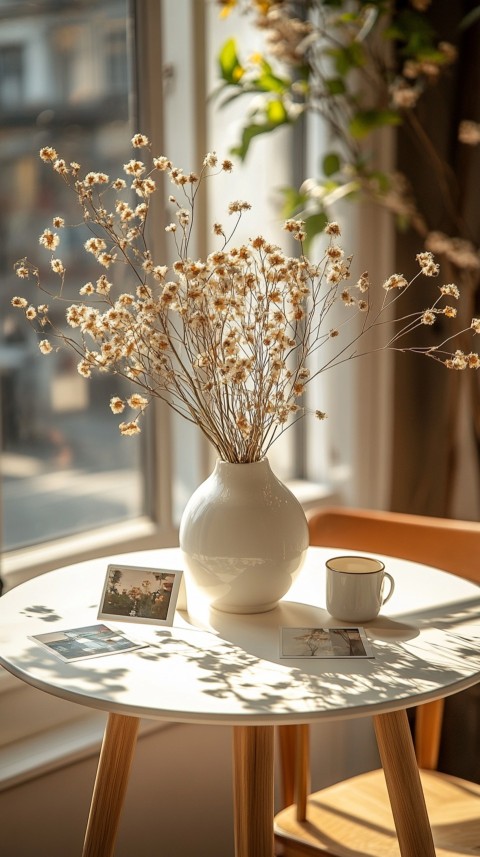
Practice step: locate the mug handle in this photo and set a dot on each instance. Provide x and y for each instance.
(392, 587)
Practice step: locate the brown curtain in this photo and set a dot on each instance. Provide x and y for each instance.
(435, 467)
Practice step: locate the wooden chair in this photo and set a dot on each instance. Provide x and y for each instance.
(354, 817)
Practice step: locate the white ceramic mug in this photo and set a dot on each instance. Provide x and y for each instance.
(355, 587)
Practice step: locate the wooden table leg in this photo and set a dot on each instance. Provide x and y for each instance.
(253, 755)
(395, 745)
(428, 733)
(110, 785)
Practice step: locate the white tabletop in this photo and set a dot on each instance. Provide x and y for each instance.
(222, 668)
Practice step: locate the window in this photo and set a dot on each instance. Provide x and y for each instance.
(65, 469)
(70, 485)
(11, 75)
(115, 52)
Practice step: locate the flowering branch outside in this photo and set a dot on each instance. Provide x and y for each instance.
(361, 67)
(226, 341)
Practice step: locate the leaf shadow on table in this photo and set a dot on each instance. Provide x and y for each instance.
(38, 665)
(39, 611)
(407, 668)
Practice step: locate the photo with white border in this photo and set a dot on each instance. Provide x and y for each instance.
(135, 594)
(325, 643)
(90, 641)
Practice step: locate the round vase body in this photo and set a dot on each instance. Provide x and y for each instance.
(243, 537)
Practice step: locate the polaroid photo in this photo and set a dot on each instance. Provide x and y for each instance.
(91, 641)
(325, 643)
(134, 594)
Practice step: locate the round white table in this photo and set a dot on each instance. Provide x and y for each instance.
(219, 668)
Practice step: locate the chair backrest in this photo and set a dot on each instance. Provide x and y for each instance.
(450, 545)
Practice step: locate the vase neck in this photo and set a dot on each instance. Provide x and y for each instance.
(242, 471)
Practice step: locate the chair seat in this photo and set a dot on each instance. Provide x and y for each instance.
(353, 819)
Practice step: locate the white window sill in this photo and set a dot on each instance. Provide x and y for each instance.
(56, 748)
(311, 494)
(21, 565)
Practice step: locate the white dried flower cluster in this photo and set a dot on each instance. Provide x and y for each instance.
(469, 132)
(288, 37)
(403, 95)
(227, 340)
(459, 251)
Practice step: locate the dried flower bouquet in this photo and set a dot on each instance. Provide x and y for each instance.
(227, 341)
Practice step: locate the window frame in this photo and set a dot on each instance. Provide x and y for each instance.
(28, 750)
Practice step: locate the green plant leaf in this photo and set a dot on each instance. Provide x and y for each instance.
(403, 222)
(276, 113)
(335, 86)
(331, 164)
(248, 134)
(314, 225)
(382, 180)
(347, 58)
(413, 30)
(293, 201)
(347, 18)
(268, 82)
(366, 121)
(231, 69)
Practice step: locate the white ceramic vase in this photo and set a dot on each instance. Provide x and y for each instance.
(244, 537)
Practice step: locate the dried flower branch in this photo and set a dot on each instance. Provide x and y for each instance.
(226, 341)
